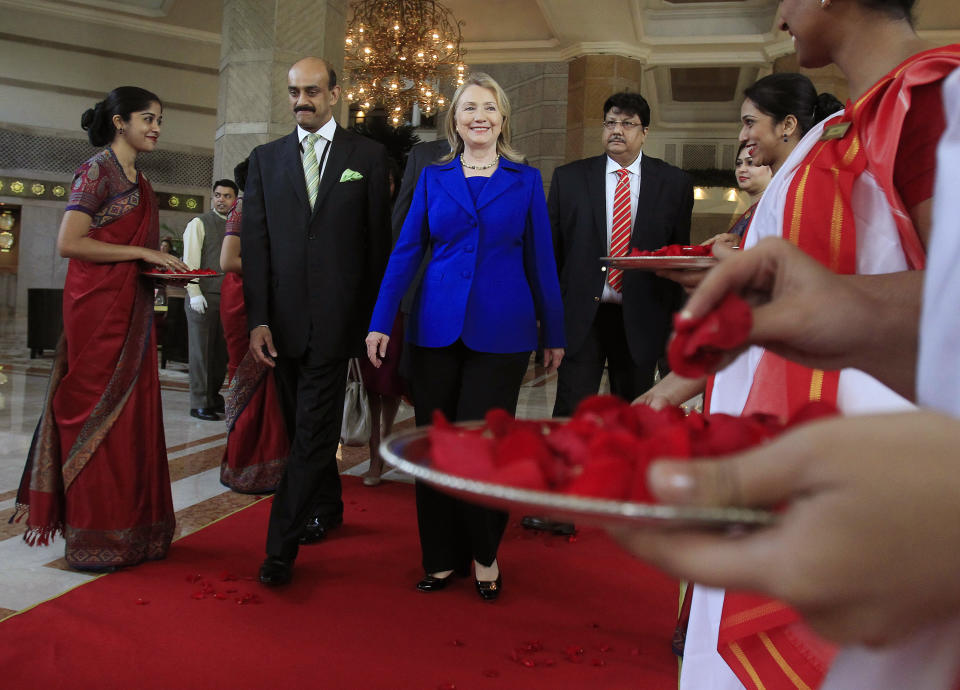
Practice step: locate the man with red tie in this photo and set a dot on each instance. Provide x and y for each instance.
(603, 206)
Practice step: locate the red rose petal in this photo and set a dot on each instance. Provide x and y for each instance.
(141, 602)
(462, 453)
(698, 344)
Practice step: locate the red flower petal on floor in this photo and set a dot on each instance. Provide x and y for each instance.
(550, 662)
(198, 595)
(447, 686)
(529, 663)
(491, 673)
(459, 643)
(699, 344)
(220, 595)
(606, 648)
(141, 602)
(227, 577)
(599, 662)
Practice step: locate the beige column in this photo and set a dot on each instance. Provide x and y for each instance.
(591, 80)
(260, 41)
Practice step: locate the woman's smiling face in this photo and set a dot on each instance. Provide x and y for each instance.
(762, 138)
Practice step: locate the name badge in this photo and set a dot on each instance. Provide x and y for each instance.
(837, 131)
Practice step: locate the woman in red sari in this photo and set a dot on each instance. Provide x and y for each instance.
(97, 469)
(257, 440)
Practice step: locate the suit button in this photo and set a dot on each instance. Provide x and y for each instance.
(311, 237)
(596, 299)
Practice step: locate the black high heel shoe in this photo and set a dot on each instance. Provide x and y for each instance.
(488, 590)
(433, 584)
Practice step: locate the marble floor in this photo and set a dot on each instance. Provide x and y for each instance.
(30, 575)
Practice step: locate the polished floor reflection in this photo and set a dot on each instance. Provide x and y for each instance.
(29, 575)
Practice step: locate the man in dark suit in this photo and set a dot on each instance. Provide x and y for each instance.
(420, 156)
(621, 319)
(316, 237)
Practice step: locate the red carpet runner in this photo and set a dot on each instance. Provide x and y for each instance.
(574, 614)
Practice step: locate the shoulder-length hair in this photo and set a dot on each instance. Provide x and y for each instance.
(503, 105)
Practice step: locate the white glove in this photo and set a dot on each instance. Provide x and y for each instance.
(198, 304)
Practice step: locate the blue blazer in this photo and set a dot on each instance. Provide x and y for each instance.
(492, 273)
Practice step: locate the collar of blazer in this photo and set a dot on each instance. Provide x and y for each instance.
(336, 162)
(451, 178)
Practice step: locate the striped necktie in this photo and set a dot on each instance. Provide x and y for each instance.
(620, 233)
(311, 167)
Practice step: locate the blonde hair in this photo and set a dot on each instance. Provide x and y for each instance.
(485, 81)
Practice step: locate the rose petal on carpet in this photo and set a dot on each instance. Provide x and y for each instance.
(574, 613)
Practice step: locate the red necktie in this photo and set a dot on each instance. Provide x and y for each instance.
(620, 234)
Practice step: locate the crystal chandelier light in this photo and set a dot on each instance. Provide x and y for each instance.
(401, 52)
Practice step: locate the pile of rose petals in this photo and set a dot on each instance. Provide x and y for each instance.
(675, 250)
(602, 451)
(194, 272)
(698, 345)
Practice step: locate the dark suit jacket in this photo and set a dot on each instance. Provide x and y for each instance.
(420, 156)
(312, 274)
(492, 273)
(577, 205)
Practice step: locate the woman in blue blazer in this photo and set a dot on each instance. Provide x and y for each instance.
(491, 276)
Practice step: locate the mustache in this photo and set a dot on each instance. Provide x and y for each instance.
(308, 108)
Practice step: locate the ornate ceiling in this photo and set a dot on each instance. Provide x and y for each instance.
(700, 54)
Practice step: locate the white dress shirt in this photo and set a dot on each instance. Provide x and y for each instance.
(610, 179)
(320, 146)
(193, 236)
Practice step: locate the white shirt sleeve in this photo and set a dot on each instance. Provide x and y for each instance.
(193, 236)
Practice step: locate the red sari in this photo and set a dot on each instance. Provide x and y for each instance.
(97, 468)
(257, 444)
(763, 641)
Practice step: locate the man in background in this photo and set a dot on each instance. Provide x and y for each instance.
(202, 239)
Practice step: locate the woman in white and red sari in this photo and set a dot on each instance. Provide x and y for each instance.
(97, 469)
(855, 194)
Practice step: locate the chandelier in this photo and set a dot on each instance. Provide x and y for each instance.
(401, 52)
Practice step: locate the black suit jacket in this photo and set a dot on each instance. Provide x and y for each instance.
(577, 206)
(420, 156)
(312, 275)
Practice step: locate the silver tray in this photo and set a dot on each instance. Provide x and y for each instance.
(408, 451)
(659, 263)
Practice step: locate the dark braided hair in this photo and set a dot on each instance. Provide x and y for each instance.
(97, 121)
(788, 93)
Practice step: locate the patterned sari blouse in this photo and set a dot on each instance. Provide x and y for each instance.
(101, 190)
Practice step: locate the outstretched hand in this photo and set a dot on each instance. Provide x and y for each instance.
(806, 313)
(866, 548)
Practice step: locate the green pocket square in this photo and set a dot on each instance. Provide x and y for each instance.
(350, 175)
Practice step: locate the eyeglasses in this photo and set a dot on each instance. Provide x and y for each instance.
(627, 126)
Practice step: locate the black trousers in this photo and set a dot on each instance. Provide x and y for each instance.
(311, 391)
(580, 372)
(464, 384)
